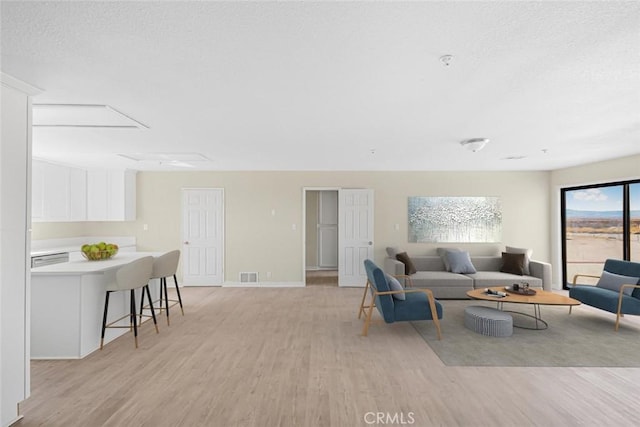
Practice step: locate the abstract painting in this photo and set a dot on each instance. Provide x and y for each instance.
(455, 219)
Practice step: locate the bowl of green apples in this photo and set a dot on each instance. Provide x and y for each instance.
(99, 251)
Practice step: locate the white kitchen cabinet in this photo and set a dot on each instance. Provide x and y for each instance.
(15, 230)
(77, 194)
(37, 190)
(59, 193)
(111, 195)
(56, 193)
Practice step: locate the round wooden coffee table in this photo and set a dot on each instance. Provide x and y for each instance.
(540, 298)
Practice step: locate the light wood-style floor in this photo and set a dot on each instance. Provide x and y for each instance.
(295, 357)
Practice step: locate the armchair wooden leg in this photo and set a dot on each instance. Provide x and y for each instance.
(364, 296)
(365, 330)
(434, 315)
(619, 311)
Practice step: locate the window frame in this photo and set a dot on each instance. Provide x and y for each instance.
(626, 219)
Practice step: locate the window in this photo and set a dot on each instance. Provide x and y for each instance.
(634, 219)
(599, 222)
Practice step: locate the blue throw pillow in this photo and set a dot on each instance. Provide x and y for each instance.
(394, 285)
(442, 253)
(460, 262)
(615, 281)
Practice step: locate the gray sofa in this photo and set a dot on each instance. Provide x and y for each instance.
(432, 274)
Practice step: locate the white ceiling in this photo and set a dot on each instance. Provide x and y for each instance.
(318, 86)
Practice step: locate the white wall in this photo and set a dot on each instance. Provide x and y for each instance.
(15, 219)
(259, 241)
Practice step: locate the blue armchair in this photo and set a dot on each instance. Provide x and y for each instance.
(617, 291)
(419, 304)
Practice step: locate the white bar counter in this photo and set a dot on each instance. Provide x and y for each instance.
(67, 302)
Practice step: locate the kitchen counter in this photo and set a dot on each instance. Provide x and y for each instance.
(84, 266)
(72, 245)
(67, 303)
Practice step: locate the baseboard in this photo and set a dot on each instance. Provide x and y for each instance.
(263, 285)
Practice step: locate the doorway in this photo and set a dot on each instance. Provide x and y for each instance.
(343, 239)
(321, 245)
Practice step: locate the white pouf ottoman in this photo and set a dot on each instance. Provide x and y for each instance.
(488, 321)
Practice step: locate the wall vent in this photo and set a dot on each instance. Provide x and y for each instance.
(249, 277)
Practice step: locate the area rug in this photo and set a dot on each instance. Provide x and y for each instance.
(584, 338)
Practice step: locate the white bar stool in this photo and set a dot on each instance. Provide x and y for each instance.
(129, 277)
(165, 266)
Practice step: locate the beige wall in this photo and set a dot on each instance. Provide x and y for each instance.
(256, 240)
(622, 169)
(259, 241)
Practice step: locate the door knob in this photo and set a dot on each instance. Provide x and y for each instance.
(186, 243)
(370, 243)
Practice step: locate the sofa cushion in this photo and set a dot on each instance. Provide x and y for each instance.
(487, 279)
(527, 256)
(512, 263)
(442, 253)
(409, 268)
(429, 279)
(394, 285)
(428, 263)
(614, 282)
(460, 262)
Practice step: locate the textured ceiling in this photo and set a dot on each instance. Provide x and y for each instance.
(335, 86)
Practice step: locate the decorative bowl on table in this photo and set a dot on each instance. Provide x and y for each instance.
(520, 290)
(99, 251)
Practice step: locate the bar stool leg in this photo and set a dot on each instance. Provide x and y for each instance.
(178, 292)
(161, 296)
(141, 305)
(163, 285)
(153, 312)
(104, 318)
(133, 316)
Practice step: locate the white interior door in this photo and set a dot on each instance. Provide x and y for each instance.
(355, 235)
(202, 236)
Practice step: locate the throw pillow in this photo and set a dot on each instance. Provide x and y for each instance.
(442, 252)
(409, 268)
(513, 263)
(394, 285)
(614, 282)
(460, 262)
(527, 256)
(392, 251)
